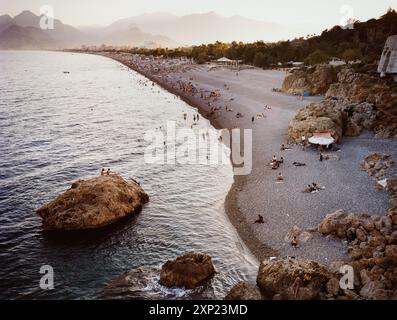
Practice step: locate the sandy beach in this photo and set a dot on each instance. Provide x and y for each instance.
(283, 205)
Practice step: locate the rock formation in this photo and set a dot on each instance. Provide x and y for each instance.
(93, 203)
(244, 291)
(188, 271)
(363, 87)
(372, 239)
(293, 279)
(317, 117)
(372, 96)
(336, 117)
(376, 165)
(314, 80)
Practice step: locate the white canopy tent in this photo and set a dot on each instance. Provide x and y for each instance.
(322, 139)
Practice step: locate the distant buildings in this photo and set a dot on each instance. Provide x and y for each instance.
(388, 60)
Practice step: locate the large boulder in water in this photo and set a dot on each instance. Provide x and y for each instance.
(188, 271)
(93, 203)
(289, 278)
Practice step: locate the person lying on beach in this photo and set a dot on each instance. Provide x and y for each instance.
(298, 164)
(260, 219)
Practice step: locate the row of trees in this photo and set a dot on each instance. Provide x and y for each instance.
(364, 41)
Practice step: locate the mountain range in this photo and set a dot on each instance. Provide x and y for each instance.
(150, 30)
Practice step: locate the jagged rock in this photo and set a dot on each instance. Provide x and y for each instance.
(336, 117)
(358, 116)
(314, 80)
(93, 203)
(391, 253)
(188, 271)
(337, 223)
(361, 87)
(293, 279)
(375, 290)
(244, 291)
(333, 286)
(317, 117)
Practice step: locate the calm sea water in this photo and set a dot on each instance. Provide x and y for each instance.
(56, 127)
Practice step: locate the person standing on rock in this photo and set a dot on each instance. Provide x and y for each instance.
(108, 172)
(102, 171)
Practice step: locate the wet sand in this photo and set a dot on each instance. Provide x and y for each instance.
(283, 205)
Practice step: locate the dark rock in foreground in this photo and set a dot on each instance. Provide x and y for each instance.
(244, 291)
(187, 271)
(93, 203)
(293, 279)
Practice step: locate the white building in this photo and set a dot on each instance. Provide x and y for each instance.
(388, 60)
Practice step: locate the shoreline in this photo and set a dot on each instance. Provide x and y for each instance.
(283, 205)
(242, 226)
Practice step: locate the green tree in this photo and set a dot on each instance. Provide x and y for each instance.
(352, 54)
(317, 57)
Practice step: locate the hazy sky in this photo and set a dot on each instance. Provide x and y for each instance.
(320, 14)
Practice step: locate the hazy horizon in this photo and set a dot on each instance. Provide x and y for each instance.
(310, 16)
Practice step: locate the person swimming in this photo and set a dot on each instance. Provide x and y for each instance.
(281, 160)
(280, 177)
